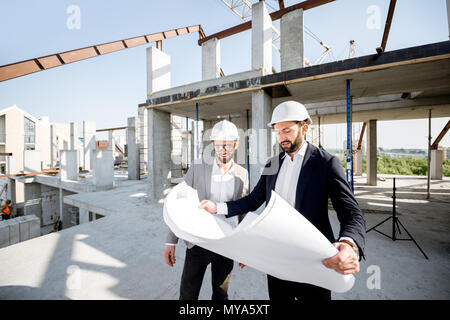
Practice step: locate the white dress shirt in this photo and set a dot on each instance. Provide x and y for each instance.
(287, 180)
(222, 189)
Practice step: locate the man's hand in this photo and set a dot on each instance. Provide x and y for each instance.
(345, 261)
(169, 255)
(208, 206)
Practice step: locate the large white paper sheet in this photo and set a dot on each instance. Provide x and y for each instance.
(279, 241)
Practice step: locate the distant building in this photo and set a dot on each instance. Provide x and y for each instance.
(21, 131)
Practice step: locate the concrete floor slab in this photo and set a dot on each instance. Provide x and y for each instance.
(120, 256)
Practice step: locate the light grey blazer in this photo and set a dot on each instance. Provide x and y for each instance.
(199, 178)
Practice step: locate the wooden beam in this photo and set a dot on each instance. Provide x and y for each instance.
(435, 144)
(48, 171)
(305, 5)
(281, 3)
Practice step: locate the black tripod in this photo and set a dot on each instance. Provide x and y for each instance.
(396, 226)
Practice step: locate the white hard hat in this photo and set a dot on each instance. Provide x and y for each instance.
(225, 131)
(289, 111)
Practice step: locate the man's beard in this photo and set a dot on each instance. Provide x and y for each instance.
(294, 145)
(228, 158)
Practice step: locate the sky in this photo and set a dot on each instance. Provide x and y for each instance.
(107, 89)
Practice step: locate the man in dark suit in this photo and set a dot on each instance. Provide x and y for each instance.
(305, 177)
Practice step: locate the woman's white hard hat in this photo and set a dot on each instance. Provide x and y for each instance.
(289, 111)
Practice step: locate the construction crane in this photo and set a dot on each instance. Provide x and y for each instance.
(242, 8)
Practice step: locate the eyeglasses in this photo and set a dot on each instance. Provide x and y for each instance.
(287, 130)
(228, 147)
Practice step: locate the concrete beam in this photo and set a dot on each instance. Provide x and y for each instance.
(133, 151)
(261, 38)
(211, 59)
(371, 157)
(158, 70)
(291, 40)
(159, 150)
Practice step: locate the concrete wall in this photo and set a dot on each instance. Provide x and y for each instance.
(32, 199)
(49, 205)
(70, 214)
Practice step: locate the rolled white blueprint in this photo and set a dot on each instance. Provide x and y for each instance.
(279, 241)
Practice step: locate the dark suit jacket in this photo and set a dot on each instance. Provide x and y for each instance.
(321, 176)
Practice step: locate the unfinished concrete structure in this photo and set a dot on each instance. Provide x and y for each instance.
(402, 84)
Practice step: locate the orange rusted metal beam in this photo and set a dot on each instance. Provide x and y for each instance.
(22, 68)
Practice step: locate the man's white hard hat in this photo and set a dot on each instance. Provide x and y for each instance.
(224, 131)
(289, 111)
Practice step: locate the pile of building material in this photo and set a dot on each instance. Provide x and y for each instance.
(19, 229)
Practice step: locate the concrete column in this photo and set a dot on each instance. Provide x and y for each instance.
(260, 139)
(103, 170)
(291, 40)
(211, 59)
(84, 215)
(31, 161)
(358, 163)
(69, 165)
(73, 136)
(142, 129)
(207, 128)
(437, 157)
(53, 146)
(371, 158)
(88, 144)
(12, 195)
(158, 70)
(159, 150)
(111, 144)
(261, 38)
(133, 150)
